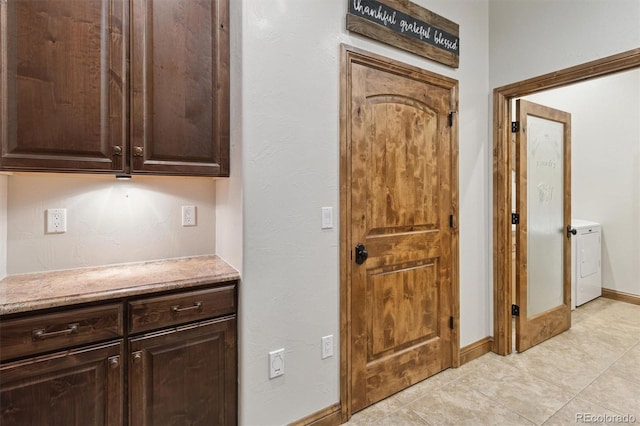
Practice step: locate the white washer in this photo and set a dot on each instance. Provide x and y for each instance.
(586, 264)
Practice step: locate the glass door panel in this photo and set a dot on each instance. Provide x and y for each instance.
(545, 213)
(543, 199)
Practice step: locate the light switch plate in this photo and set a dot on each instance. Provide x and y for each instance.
(327, 346)
(327, 217)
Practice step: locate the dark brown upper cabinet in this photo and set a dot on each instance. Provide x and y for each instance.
(180, 87)
(63, 85)
(114, 86)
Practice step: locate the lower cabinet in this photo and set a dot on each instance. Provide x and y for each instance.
(184, 375)
(69, 368)
(71, 388)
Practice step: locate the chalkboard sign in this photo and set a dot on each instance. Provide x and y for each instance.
(408, 26)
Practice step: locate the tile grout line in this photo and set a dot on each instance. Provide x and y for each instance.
(575, 395)
(602, 374)
(637, 343)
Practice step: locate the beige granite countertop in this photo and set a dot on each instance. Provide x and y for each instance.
(30, 292)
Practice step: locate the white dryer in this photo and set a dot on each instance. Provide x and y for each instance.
(586, 262)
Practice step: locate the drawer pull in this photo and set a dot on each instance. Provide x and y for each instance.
(41, 334)
(176, 309)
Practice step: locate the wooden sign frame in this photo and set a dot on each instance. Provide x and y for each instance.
(405, 25)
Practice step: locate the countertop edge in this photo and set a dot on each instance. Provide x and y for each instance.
(114, 291)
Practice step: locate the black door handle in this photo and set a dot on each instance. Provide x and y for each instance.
(361, 254)
(571, 231)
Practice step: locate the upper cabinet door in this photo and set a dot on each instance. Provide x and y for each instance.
(62, 85)
(180, 87)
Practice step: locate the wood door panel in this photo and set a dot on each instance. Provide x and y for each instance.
(80, 387)
(65, 81)
(185, 375)
(405, 173)
(182, 75)
(403, 308)
(180, 79)
(391, 375)
(400, 172)
(439, 92)
(543, 326)
(394, 248)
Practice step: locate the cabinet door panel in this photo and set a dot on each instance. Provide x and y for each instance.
(62, 83)
(80, 387)
(185, 375)
(180, 86)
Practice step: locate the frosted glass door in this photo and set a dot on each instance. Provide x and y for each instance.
(545, 213)
(543, 199)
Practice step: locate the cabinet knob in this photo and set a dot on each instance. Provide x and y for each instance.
(117, 150)
(137, 151)
(137, 356)
(114, 361)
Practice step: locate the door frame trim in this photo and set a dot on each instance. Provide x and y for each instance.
(346, 54)
(502, 158)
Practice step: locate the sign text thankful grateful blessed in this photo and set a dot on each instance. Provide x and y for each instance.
(402, 23)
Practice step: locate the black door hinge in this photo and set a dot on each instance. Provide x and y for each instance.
(515, 310)
(515, 126)
(451, 118)
(515, 218)
(452, 224)
(451, 323)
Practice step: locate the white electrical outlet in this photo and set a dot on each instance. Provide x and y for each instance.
(56, 221)
(189, 216)
(327, 346)
(276, 363)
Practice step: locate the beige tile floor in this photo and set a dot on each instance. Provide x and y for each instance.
(591, 370)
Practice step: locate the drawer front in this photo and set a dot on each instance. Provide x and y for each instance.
(165, 311)
(46, 332)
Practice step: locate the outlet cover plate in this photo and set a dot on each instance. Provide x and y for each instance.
(56, 221)
(276, 363)
(189, 216)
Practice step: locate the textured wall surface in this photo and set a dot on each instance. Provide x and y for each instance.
(290, 70)
(108, 221)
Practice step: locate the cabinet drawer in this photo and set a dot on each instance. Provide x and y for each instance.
(166, 311)
(41, 333)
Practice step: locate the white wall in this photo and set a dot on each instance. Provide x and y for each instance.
(229, 203)
(3, 225)
(605, 167)
(290, 76)
(109, 221)
(533, 37)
